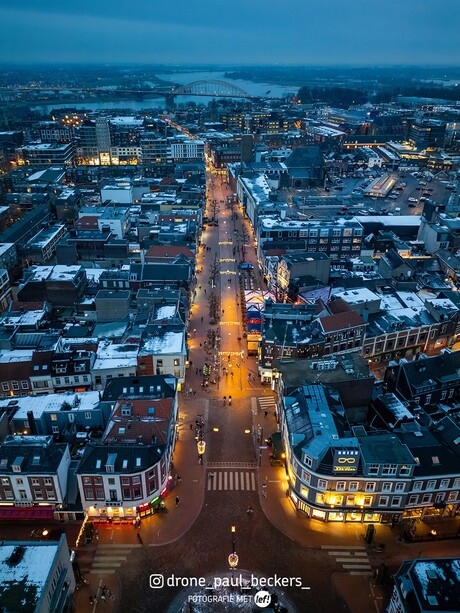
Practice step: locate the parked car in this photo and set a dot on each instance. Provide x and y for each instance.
(412, 200)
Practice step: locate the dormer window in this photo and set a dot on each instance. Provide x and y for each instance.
(16, 466)
(126, 410)
(110, 465)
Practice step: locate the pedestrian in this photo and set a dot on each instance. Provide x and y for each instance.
(201, 320)
(194, 393)
(134, 522)
(249, 376)
(250, 511)
(266, 414)
(205, 291)
(200, 371)
(191, 426)
(139, 538)
(196, 371)
(177, 501)
(178, 478)
(230, 401)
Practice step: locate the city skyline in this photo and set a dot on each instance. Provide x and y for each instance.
(221, 32)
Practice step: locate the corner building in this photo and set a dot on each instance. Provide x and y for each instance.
(344, 473)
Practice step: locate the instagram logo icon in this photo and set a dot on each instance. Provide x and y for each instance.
(156, 581)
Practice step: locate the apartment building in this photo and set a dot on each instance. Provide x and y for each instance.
(33, 471)
(338, 239)
(360, 474)
(129, 472)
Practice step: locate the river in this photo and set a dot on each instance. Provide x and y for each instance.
(255, 89)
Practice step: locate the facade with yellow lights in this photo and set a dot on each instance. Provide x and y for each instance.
(128, 474)
(340, 473)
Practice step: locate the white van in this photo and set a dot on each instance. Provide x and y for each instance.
(397, 209)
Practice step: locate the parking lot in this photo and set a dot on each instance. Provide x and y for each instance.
(407, 199)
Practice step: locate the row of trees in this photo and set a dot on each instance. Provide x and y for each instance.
(345, 97)
(337, 96)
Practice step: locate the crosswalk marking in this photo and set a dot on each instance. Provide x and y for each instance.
(231, 481)
(230, 465)
(109, 558)
(353, 558)
(266, 401)
(350, 547)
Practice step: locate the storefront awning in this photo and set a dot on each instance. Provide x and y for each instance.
(26, 513)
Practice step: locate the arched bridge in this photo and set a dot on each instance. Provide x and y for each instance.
(219, 89)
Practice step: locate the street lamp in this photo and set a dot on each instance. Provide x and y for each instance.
(200, 442)
(233, 558)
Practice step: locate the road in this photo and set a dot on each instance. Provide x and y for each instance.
(230, 456)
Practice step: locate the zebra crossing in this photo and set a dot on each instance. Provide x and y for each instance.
(353, 558)
(231, 480)
(109, 558)
(267, 403)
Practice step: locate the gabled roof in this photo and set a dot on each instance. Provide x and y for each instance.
(149, 421)
(342, 317)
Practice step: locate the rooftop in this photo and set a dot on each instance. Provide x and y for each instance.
(24, 571)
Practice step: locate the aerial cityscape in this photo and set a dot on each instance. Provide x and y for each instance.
(230, 307)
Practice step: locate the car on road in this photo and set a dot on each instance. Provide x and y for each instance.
(393, 196)
(245, 266)
(397, 209)
(412, 205)
(412, 200)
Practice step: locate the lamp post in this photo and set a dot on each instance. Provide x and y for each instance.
(233, 558)
(200, 442)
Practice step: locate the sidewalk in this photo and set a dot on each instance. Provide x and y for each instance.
(359, 592)
(158, 529)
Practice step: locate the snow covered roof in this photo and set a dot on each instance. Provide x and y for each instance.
(84, 401)
(116, 355)
(166, 312)
(168, 343)
(25, 570)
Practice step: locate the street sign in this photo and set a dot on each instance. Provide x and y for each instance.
(263, 447)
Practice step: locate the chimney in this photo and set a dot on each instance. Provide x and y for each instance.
(32, 424)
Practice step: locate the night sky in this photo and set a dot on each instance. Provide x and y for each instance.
(231, 32)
